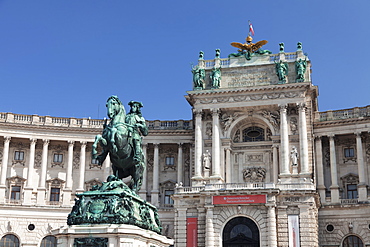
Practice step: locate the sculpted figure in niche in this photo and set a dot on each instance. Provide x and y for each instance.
(206, 162)
(294, 156)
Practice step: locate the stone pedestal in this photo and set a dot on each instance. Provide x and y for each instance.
(109, 235)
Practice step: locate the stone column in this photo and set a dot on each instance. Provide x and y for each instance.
(27, 196)
(81, 183)
(31, 163)
(284, 139)
(361, 187)
(303, 142)
(228, 165)
(216, 175)
(320, 170)
(275, 163)
(155, 190)
(180, 170)
(180, 227)
(210, 238)
(69, 165)
(198, 145)
(271, 226)
(333, 170)
(41, 190)
(68, 189)
(143, 191)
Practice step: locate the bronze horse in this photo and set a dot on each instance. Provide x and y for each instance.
(116, 141)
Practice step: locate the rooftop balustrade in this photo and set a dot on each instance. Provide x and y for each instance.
(356, 112)
(85, 122)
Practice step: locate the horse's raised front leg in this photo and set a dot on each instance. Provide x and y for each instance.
(95, 145)
(113, 139)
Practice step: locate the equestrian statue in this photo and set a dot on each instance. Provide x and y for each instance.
(121, 139)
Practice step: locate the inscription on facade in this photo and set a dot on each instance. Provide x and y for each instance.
(237, 79)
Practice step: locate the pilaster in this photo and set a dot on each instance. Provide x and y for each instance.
(4, 168)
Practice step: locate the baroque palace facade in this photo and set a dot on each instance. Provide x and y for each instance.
(258, 165)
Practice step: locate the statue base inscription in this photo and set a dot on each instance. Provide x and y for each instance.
(114, 203)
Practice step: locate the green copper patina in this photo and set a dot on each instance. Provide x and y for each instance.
(121, 139)
(281, 47)
(299, 46)
(281, 71)
(300, 66)
(199, 75)
(216, 77)
(114, 203)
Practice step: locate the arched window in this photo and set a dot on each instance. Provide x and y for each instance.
(253, 134)
(49, 241)
(9, 240)
(352, 241)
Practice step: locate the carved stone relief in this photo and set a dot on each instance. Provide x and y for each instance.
(38, 158)
(254, 97)
(76, 160)
(254, 174)
(209, 130)
(272, 117)
(254, 158)
(236, 138)
(227, 119)
(293, 125)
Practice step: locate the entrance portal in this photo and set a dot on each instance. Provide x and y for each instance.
(241, 232)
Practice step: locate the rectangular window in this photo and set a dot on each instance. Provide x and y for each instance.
(170, 161)
(15, 193)
(349, 152)
(18, 155)
(351, 191)
(167, 197)
(54, 194)
(58, 158)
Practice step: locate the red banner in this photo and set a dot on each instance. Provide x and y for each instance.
(240, 199)
(192, 232)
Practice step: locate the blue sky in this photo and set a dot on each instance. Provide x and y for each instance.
(66, 57)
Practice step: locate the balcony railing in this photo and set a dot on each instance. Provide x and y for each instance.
(349, 201)
(226, 186)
